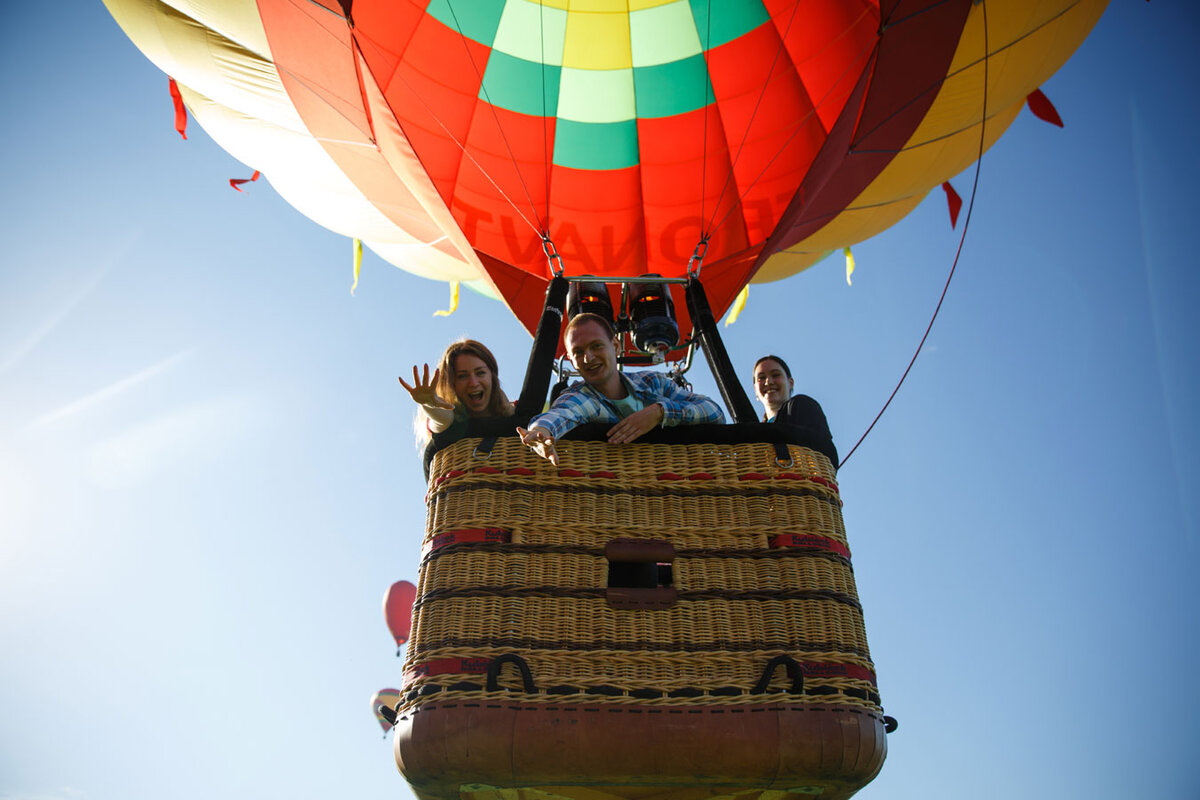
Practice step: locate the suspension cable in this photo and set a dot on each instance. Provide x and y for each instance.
(495, 118)
(961, 240)
(706, 233)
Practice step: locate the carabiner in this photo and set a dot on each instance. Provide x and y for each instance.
(553, 259)
(696, 262)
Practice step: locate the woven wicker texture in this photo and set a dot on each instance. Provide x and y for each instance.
(761, 569)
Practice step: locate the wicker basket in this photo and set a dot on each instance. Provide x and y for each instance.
(691, 579)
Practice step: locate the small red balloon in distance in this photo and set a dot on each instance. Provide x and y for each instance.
(382, 698)
(397, 609)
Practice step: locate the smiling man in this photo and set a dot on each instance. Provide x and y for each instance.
(637, 402)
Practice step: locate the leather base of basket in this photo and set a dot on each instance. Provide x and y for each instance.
(513, 751)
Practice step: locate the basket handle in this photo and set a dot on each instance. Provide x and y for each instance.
(493, 672)
(793, 671)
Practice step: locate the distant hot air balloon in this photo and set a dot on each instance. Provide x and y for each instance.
(397, 610)
(382, 702)
(459, 141)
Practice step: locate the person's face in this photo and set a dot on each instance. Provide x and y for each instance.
(592, 352)
(772, 386)
(472, 383)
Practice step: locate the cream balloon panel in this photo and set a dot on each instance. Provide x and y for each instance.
(306, 177)
(233, 70)
(233, 91)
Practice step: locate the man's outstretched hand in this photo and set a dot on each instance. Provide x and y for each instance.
(541, 442)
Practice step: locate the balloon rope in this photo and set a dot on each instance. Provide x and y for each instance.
(749, 124)
(704, 102)
(862, 134)
(545, 224)
(863, 54)
(961, 240)
(467, 153)
(495, 117)
(809, 117)
(462, 147)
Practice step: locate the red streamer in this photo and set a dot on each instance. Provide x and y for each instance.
(180, 109)
(1042, 108)
(954, 201)
(237, 182)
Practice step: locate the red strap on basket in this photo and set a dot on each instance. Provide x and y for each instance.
(834, 670)
(495, 535)
(809, 541)
(447, 666)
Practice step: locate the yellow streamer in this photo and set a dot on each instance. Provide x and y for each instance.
(739, 303)
(357, 264)
(453, 301)
(849, 265)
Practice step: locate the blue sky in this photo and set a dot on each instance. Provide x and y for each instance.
(207, 476)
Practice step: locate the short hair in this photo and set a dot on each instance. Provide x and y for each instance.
(586, 317)
(782, 363)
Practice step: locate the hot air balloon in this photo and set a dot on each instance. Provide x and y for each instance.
(676, 617)
(383, 704)
(397, 610)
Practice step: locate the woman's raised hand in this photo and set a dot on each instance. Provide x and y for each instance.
(422, 390)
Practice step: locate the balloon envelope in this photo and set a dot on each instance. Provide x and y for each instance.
(397, 609)
(452, 136)
(384, 697)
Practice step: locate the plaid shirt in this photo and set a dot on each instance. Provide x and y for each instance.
(581, 403)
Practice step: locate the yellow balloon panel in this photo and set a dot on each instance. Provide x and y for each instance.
(1027, 41)
(850, 227)
(925, 165)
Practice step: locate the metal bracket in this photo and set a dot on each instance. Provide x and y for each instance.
(696, 262)
(553, 259)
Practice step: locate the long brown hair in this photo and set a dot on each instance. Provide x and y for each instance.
(498, 403)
